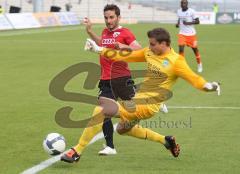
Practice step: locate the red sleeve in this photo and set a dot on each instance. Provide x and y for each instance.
(129, 37)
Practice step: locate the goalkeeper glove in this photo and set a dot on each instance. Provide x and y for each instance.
(92, 46)
(212, 86)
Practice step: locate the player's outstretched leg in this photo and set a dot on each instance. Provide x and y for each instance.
(147, 134)
(71, 156)
(94, 127)
(170, 144)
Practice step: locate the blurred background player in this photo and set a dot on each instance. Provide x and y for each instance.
(215, 8)
(1, 10)
(187, 34)
(115, 81)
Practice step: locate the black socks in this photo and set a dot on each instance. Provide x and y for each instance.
(108, 132)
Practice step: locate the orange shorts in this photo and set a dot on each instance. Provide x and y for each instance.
(190, 41)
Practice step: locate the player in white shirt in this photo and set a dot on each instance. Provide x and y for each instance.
(187, 34)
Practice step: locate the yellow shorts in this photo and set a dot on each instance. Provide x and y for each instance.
(144, 109)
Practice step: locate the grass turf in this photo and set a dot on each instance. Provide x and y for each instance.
(30, 59)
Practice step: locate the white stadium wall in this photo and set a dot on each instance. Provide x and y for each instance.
(47, 19)
(37, 20)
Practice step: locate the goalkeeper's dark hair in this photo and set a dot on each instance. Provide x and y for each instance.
(160, 34)
(112, 7)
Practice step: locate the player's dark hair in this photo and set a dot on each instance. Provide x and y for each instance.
(160, 34)
(112, 7)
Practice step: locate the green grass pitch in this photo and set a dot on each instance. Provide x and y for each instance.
(30, 59)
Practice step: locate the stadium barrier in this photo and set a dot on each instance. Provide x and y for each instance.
(4, 23)
(228, 18)
(37, 20)
(206, 17)
(48, 19)
(22, 20)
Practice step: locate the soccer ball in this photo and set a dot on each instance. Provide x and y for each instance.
(54, 144)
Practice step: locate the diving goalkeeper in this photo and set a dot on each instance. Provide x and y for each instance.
(164, 68)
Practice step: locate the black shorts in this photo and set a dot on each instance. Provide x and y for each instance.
(122, 87)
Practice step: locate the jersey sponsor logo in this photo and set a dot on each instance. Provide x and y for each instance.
(165, 62)
(116, 34)
(108, 41)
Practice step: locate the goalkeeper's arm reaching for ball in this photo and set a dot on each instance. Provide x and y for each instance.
(181, 68)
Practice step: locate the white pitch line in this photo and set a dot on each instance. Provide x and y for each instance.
(221, 42)
(47, 163)
(203, 107)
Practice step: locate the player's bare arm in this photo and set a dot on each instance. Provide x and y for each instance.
(90, 32)
(177, 24)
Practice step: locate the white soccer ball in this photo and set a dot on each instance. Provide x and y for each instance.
(54, 144)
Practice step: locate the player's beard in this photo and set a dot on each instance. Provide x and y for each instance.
(112, 26)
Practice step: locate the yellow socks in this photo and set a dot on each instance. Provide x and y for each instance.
(144, 133)
(94, 127)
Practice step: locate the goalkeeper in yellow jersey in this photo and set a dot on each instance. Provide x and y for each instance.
(164, 67)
